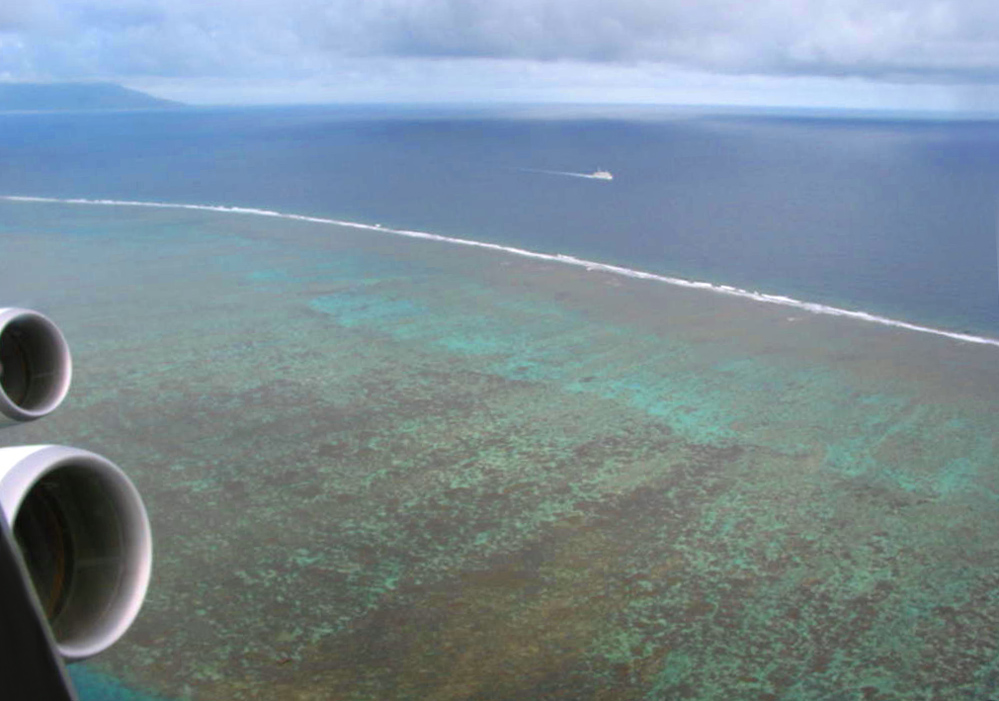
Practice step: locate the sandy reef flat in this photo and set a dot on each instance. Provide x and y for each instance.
(386, 468)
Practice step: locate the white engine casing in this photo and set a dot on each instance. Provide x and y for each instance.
(84, 534)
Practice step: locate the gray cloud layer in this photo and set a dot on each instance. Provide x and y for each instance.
(938, 40)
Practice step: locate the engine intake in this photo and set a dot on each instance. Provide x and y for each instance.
(35, 365)
(84, 534)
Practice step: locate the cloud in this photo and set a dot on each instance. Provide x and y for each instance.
(824, 37)
(435, 80)
(23, 14)
(901, 40)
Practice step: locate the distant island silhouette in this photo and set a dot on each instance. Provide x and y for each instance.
(50, 97)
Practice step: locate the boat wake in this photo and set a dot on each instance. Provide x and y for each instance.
(598, 175)
(781, 300)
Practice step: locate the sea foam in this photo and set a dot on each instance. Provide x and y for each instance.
(812, 307)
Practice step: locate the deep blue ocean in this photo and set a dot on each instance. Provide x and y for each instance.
(885, 215)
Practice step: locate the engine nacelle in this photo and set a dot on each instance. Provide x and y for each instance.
(35, 365)
(84, 534)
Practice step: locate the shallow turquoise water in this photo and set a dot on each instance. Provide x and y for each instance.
(96, 686)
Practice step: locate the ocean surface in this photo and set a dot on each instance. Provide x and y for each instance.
(419, 411)
(897, 218)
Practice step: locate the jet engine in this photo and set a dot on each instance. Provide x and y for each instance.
(35, 365)
(84, 535)
(77, 520)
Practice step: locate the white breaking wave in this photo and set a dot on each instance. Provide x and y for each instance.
(812, 307)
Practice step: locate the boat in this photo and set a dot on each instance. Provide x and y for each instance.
(602, 175)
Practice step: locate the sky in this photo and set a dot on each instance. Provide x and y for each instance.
(940, 55)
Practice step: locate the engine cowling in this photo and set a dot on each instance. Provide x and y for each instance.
(35, 365)
(84, 534)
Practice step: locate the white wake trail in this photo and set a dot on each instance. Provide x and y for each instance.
(781, 300)
(588, 176)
